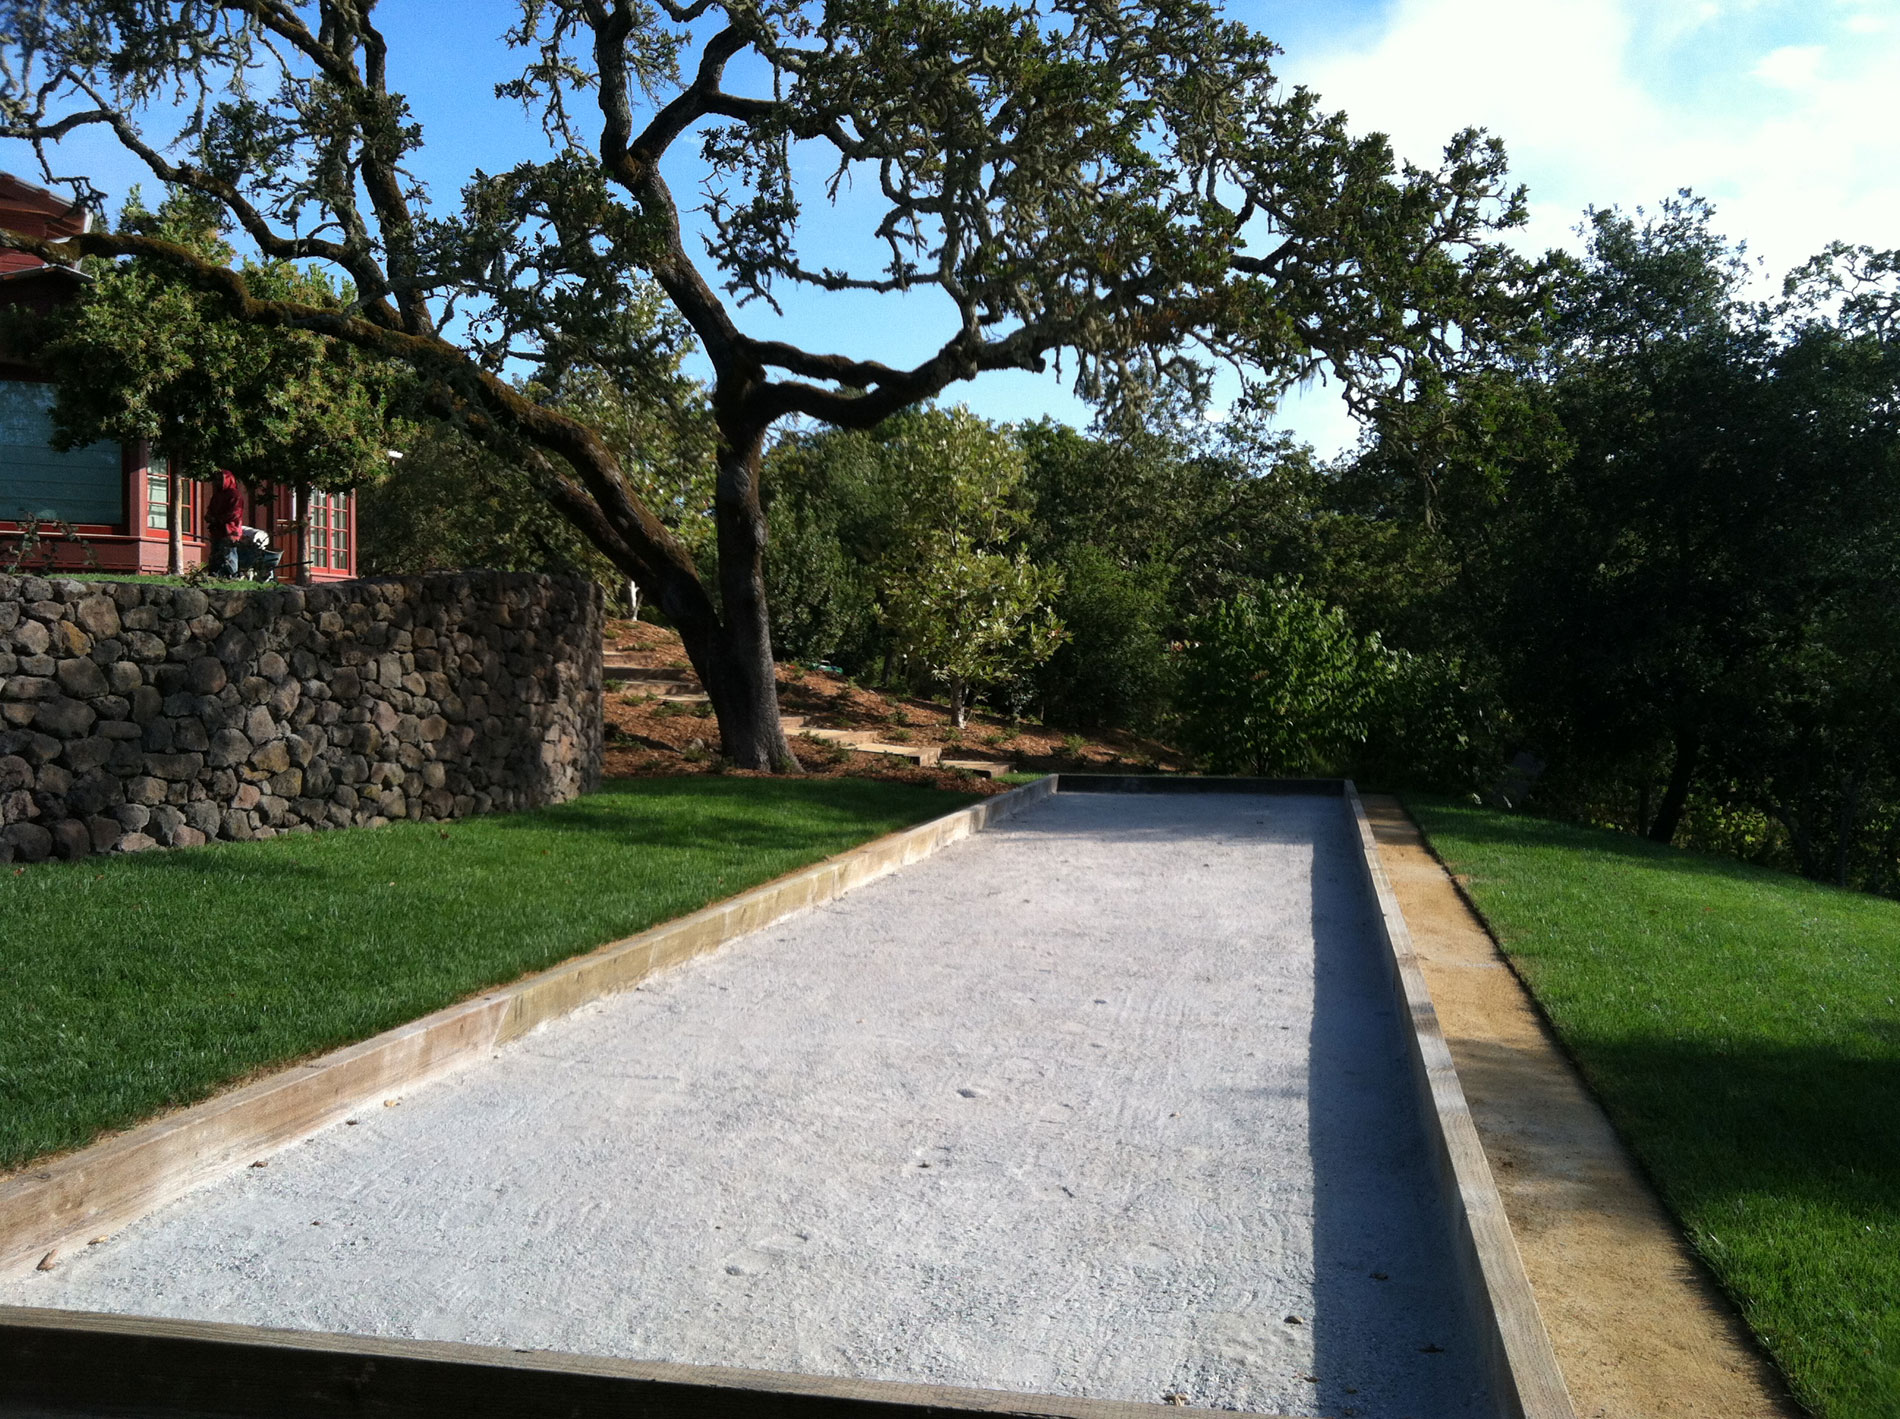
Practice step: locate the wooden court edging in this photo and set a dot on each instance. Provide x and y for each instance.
(1523, 1366)
(63, 1204)
(1178, 783)
(61, 1363)
(66, 1363)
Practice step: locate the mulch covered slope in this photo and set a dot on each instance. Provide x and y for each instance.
(647, 736)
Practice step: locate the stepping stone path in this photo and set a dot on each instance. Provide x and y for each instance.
(682, 687)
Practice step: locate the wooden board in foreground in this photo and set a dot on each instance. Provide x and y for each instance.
(71, 1363)
(1523, 1366)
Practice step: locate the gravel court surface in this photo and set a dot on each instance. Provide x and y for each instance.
(1109, 1100)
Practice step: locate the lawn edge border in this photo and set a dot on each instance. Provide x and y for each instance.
(61, 1205)
(1527, 1379)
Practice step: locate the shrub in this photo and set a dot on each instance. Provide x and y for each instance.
(1274, 681)
(1114, 668)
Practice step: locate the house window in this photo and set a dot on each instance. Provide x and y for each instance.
(157, 492)
(157, 503)
(86, 485)
(330, 531)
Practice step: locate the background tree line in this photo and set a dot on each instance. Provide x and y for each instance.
(1639, 571)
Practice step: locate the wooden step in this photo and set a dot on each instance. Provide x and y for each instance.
(849, 737)
(983, 768)
(865, 741)
(925, 756)
(666, 687)
(612, 671)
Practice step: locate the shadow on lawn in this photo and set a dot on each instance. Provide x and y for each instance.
(1717, 1124)
(740, 815)
(756, 813)
(1487, 828)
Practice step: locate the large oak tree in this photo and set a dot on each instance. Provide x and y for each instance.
(1127, 187)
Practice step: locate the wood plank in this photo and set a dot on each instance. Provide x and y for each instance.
(1179, 783)
(1524, 1371)
(74, 1363)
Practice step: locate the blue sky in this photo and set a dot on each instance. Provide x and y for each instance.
(1781, 111)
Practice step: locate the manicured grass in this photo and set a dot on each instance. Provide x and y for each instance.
(131, 984)
(1740, 1027)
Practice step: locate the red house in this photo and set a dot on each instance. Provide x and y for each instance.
(107, 507)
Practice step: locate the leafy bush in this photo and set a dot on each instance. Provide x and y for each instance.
(1276, 682)
(449, 504)
(822, 600)
(1114, 669)
(1432, 727)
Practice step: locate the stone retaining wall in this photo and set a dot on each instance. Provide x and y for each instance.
(135, 715)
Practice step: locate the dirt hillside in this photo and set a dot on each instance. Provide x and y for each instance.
(657, 725)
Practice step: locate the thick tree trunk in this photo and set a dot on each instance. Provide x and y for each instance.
(1676, 796)
(739, 674)
(1844, 826)
(730, 644)
(174, 515)
(959, 702)
(300, 513)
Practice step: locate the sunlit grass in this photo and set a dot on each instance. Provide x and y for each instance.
(136, 983)
(1740, 1027)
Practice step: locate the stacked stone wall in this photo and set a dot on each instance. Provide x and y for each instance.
(135, 715)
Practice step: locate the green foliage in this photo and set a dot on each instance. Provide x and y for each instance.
(1223, 506)
(962, 605)
(1114, 668)
(146, 355)
(903, 547)
(1699, 592)
(832, 511)
(1433, 725)
(658, 426)
(1276, 682)
(448, 502)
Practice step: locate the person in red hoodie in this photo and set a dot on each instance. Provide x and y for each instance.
(224, 520)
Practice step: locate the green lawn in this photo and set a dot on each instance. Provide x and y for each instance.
(132, 984)
(1740, 1027)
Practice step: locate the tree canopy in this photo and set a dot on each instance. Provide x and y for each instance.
(1128, 188)
(144, 355)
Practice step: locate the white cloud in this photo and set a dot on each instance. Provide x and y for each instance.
(1779, 112)
(1793, 66)
(1597, 104)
